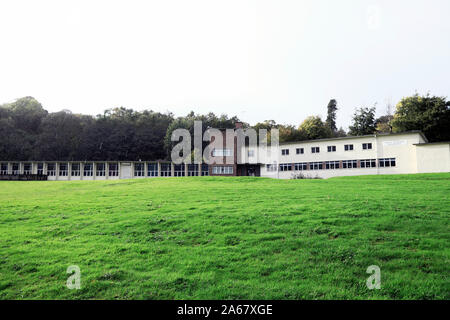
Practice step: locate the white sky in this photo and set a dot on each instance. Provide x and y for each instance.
(281, 60)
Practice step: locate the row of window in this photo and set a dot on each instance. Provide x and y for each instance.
(222, 170)
(166, 170)
(347, 147)
(222, 153)
(100, 169)
(331, 165)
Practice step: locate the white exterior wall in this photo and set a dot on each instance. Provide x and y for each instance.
(411, 151)
(433, 158)
(402, 147)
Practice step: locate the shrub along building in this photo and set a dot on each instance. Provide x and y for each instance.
(399, 153)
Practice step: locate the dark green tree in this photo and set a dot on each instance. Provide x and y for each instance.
(363, 122)
(331, 115)
(429, 114)
(314, 128)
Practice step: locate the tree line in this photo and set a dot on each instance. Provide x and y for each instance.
(29, 132)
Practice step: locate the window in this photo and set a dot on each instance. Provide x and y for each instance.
(192, 170)
(113, 169)
(100, 170)
(88, 170)
(27, 168)
(4, 168)
(330, 165)
(166, 170)
(300, 166)
(285, 167)
(15, 169)
(75, 172)
(284, 152)
(300, 151)
(331, 148)
(350, 164)
(315, 149)
(222, 170)
(368, 163)
(51, 169)
(40, 169)
(271, 167)
(222, 153)
(63, 170)
(139, 170)
(152, 169)
(315, 166)
(387, 162)
(367, 146)
(251, 153)
(348, 147)
(178, 170)
(205, 170)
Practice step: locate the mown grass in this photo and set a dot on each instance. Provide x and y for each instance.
(226, 238)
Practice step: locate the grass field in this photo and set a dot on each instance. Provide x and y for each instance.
(227, 238)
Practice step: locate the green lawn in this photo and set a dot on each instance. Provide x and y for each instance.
(227, 238)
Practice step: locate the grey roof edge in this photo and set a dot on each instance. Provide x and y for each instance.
(428, 143)
(358, 137)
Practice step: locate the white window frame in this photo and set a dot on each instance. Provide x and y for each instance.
(367, 146)
(368, 163)
(222, 170)
(61, 171)
(102, 172)
(75, 169)
(316, 166)
(391, 161)
(139, 169)
(222, 153)
(204, 170)
(88, 172)
(40, 168)
(285, 167)
(332, 165)
(27, 171)
(3, 171)
(301, 166)
(178, 170)
(348, 147)
(15, 171)
(166, 173)
(113, 169)
(51, 171)
(152, 169)
(192, 170)
(349, 164)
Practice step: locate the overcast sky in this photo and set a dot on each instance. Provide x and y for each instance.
(281, 60)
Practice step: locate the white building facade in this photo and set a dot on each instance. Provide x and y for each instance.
(403, 153)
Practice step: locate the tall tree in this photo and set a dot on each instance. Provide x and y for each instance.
(430, 114)
(331, 115)
(363, 121)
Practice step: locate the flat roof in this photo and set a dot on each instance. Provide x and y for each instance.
(358, 137)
